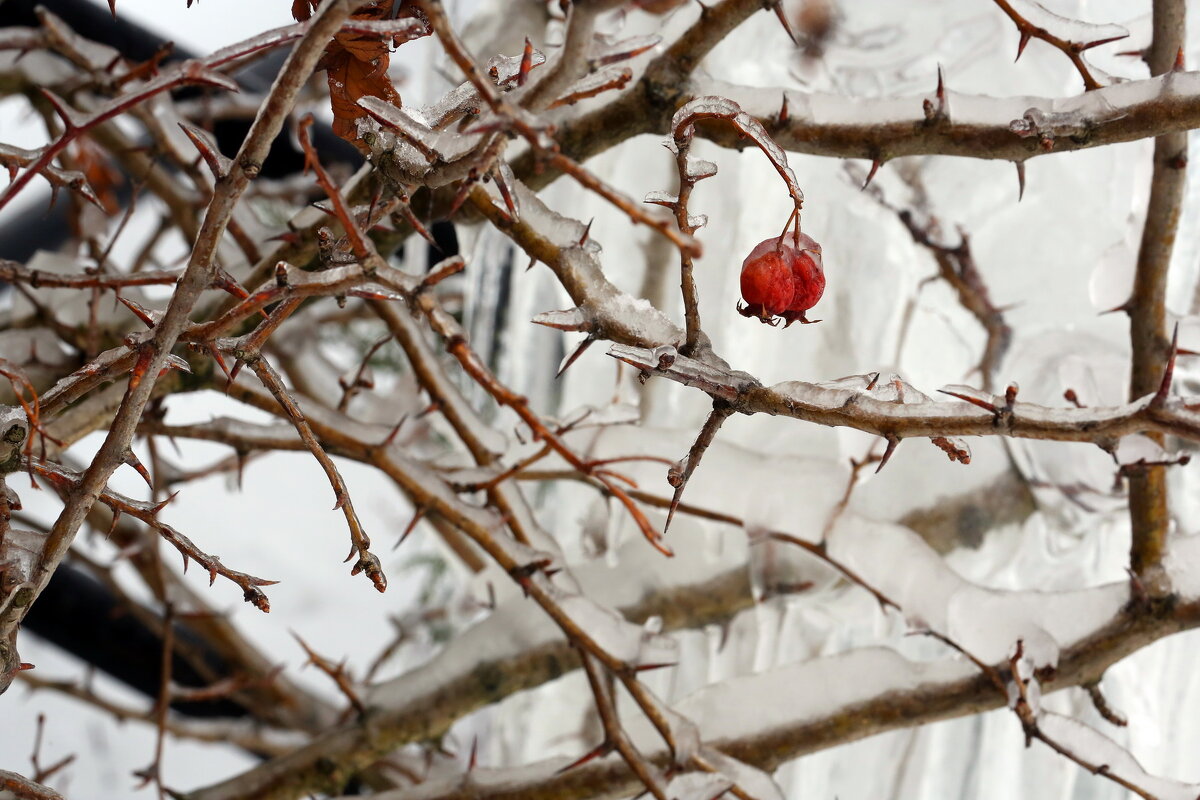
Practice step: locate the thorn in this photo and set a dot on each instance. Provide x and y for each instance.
(783, 20)
(461, 196)
(783, 110)
(586, 231)
(1164, 388)
(216, 356)
(579, 350)
(975, 401)
(875, 164)
(892, 442)
(526, 63)
(412, 525)
(391, 437)
(1098, 42)
(651, 667)
(1178, 66)
(64, 111)
(217, 163)
(474, 760)
(139, 311)
(1126, 306)
(132, 461)
(112, 6)
(940, 94)
(161, 504)
(602, 749)
(1020, 165)
(1021, 45)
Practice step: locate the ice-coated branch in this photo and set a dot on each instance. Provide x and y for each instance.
(24, 789)
(1153, 354)
(201, 268)
(889, 692)
(1034, 21)
(850, 403)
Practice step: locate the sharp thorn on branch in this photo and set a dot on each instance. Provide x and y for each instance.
(1020, 165)
(1025, 36)
(781, 14)
(892, 442)
(875, 164)
(1164, 387)
(571, 359)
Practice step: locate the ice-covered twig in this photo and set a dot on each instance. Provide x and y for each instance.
(202, 265)
(989, 416)
(456, 344)
(975, 126)
(1033, 722)
(25, 789)
(147, 513)
(367, 562)
(1034, 21)
(679, 473)
(614, 735)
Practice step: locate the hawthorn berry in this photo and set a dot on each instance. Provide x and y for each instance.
(782, 277)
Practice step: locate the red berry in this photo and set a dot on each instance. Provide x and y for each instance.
(783, 276)
(767, 284)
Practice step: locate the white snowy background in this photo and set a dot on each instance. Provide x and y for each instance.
(1056, 260)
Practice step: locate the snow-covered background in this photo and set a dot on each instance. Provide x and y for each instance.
(1054, 260)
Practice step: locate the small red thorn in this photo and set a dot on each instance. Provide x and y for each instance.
(474, 761)
(1020, 165)
(391, 437)
(132, 461)
(975, 401)
(1021, 45)
(140, 312)
(460, 196)
(65, 112)
(602, 749)
(586, 231)
(875, 164)
(526, 63)
(161, 504)
(783, 110)
(941, 87)
(1178, 67)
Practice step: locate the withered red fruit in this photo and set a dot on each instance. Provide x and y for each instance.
(783, 277)
(766, 282)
